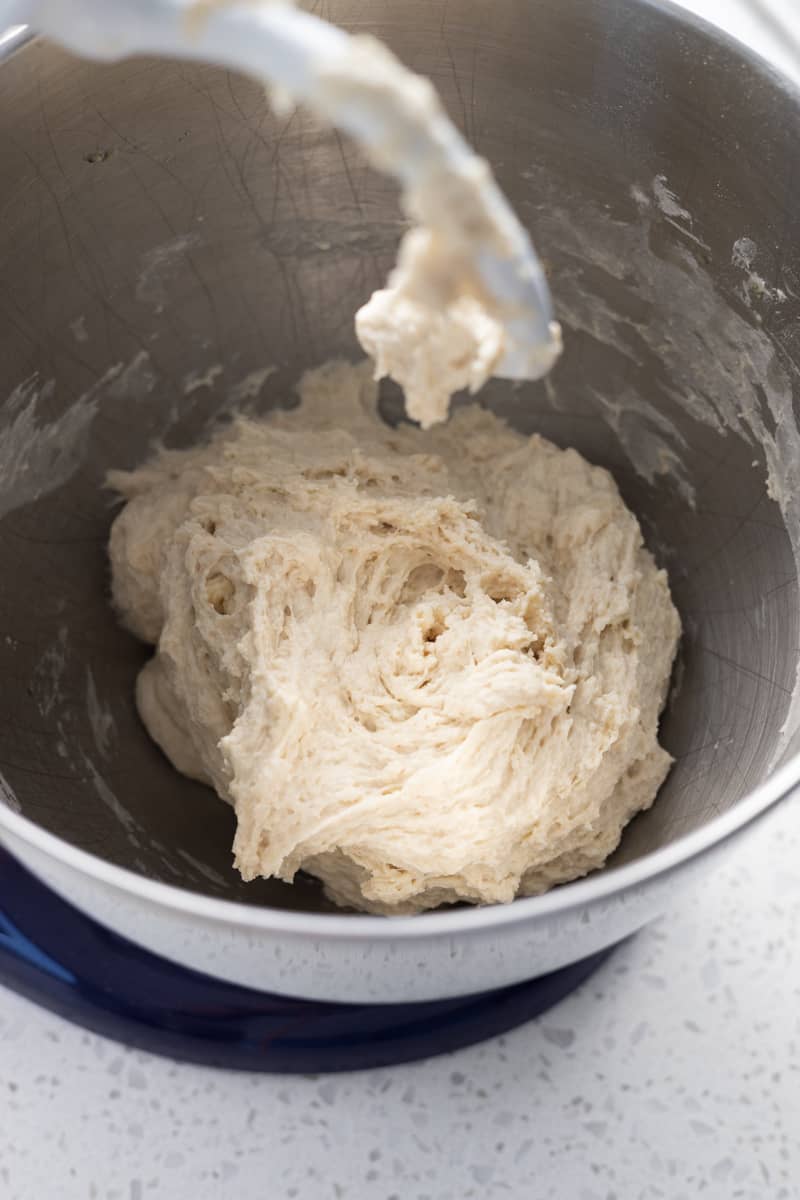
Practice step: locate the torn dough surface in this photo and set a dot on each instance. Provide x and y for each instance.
(424, 667)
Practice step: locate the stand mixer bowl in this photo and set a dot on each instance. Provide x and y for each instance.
(170, 249)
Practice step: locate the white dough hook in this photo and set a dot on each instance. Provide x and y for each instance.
(354, 83)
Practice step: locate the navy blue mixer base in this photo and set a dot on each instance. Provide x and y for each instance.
(66, 962)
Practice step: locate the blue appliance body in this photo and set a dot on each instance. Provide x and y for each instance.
(64, 961)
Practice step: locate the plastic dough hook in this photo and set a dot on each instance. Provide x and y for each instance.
(356, 84)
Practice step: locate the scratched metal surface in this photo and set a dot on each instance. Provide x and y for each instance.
(163, 233)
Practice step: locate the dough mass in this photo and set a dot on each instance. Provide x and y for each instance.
(424, 667)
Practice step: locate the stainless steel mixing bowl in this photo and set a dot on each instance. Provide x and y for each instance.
(169, 249)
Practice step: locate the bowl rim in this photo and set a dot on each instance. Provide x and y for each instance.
(582, 893)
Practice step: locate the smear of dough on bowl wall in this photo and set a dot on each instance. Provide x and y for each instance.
(425, 667)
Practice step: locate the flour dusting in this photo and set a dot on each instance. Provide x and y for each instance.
(250, 387)
(100, 717)
(157, 266)
(39, 454)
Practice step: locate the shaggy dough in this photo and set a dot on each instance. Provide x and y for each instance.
(423, 667)
(429, 332)
(457, 307)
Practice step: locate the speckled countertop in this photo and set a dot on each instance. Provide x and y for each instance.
(674, 1073)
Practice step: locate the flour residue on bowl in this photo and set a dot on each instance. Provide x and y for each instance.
(106, 793)
(250, 387)
(195, 381)
(78, 329)
(8, 796)
(707, 386)
(708, 358)
(49, 674)
(40, 453)
(101, 718)
(674, 213)
(157, 266)
(754, 286)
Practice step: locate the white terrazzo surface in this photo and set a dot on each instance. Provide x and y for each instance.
(674, 1074)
